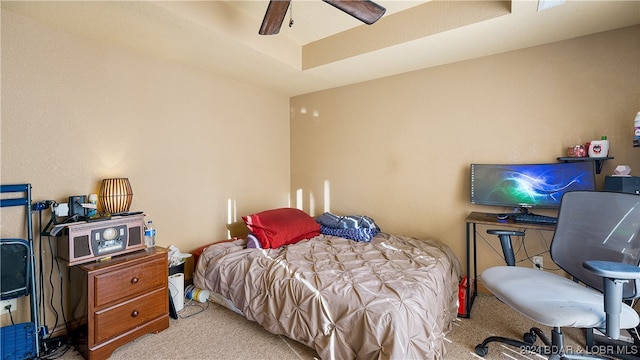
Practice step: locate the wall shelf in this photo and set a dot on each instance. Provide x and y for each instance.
(598, 161)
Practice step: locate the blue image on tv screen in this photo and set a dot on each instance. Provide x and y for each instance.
(529, 185)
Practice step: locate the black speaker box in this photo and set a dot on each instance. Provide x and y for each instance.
(625, 184)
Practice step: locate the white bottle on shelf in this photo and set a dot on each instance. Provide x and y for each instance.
(149, 234)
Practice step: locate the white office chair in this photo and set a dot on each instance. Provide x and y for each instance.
(597, 242)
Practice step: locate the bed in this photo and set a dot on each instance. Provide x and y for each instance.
(389, 297)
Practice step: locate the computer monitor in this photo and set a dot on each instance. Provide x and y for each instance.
(529, 185)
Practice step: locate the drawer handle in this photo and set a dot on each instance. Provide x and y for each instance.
(134, 313)
(134, 280)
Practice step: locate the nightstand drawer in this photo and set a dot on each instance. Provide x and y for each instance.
(119, 319)
(129, 281)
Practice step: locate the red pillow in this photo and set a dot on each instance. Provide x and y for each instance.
(278, 227)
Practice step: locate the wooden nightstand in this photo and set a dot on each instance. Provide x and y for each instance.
(116, 301)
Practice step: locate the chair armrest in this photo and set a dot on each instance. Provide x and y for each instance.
(613, 274)
(505, 232)
(612, 269)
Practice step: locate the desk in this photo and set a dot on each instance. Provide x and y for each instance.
(472, 221)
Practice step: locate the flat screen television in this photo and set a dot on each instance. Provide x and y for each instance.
(529, 185)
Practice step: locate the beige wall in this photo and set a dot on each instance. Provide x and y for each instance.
(75, 111)
(398, 149)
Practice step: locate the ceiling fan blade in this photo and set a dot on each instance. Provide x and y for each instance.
(273, 18)
(364, 10)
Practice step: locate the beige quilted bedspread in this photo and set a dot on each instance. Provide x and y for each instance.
(392, 298)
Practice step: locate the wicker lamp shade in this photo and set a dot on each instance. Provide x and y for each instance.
(115, 195)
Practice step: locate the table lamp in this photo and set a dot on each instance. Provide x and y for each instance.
(115, 195)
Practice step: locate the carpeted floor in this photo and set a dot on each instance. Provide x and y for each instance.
(218, 333)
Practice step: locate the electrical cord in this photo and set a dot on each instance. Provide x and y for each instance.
(192, 303)
(50, 348)
(41, 298)
(10, 314)
(54, 348)
(189, 303)
(64, 318)
(530, 257)
(51, 284)
(41, 270)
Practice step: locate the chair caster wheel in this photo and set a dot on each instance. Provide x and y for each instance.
(529, 338)
(481, 350)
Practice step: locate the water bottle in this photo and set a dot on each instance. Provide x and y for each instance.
(149, 234)
(93, 200)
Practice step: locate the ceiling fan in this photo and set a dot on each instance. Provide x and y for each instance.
(363, 10)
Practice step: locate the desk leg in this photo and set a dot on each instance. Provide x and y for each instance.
(475, 267)
(470, 294)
